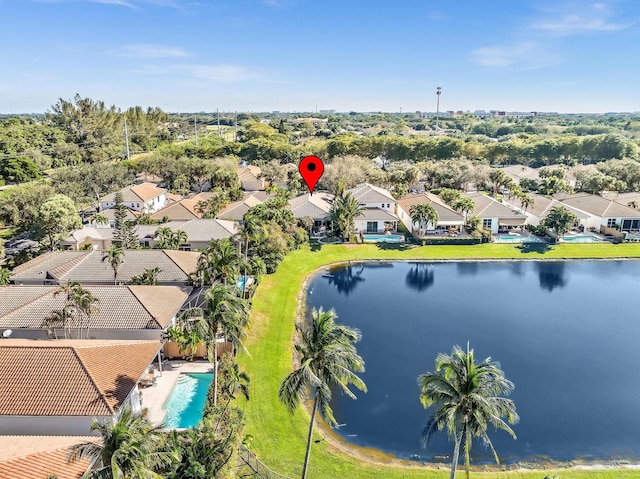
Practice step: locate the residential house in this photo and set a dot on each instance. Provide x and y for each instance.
(494, 215)
(110, 215)
(235, 211)
(316, 206)
(447, 217)
(58, 387)
(380, 211)
(604, 212)
(38, 457)
(199, 232)
(519, 172)
(541, 208)
(87, 267)
(101, 238)
(251, 178)
(144, 198)
(185, 209)
(121, 312)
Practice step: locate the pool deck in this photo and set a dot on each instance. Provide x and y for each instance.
(154, 397)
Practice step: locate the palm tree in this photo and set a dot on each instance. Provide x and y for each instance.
(149, 277)
(235, 381)
(84, 302)
(526, 202)
(252, 229)
(114, 256)
(423, 214)
(328, 360)
(164, 237)
(226, 315)
(221, 261)
(99, 219)
(57, 319)
(178, 238)
(343, 212)
(464, 206)
(559, 220)
(5, 276)
(498, 179)
(128, 447)
(468, 398)
(633, 204)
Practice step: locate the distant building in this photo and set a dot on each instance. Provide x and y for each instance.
(145, 197)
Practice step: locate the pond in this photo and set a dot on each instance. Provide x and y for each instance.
(566, 333)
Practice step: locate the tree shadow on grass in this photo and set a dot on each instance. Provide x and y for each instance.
(315, 246)
(540, 248)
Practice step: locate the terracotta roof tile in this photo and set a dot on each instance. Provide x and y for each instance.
(42, 464)
(70, 377)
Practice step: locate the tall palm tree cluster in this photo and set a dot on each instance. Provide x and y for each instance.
(79, 305)
(343, 212)
(169, 239)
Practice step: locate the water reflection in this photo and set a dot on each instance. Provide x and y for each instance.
(420, 276)
(345, 279)
(552, 275)
(468, 267)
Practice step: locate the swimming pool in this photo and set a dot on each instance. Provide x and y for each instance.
(580, 239)
(383, 238)
(518, 239)
(185, 404)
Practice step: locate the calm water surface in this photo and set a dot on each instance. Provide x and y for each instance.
(566, 333)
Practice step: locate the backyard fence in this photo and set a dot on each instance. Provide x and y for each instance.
(250, 466)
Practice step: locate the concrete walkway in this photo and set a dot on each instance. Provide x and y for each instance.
(154, 397)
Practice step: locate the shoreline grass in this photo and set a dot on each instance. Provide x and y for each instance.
(279, 438)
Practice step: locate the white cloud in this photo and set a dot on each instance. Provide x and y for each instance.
(523, 56)
(572, 20)
(147, 50)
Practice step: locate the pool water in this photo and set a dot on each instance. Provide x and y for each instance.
(517, 239)
(580, 239)
(383, 238)
(185, 404)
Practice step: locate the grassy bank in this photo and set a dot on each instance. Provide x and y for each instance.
(279, 438)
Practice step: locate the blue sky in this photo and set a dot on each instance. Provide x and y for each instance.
(294, 55)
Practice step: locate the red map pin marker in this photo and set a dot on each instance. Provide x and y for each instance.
(311, 169)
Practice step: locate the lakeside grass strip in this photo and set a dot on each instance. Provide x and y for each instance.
(279, 438)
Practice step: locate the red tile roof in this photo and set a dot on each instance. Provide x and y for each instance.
(70, 377)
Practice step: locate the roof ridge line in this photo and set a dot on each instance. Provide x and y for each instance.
(143, 305)
(92, 379)
(75, 261)
(25, 304)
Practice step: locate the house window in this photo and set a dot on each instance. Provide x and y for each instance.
(388, 205)
(382, 205)
(185, 247)
(611, 223)
(486, 223)
(372, 226)
(137, 205)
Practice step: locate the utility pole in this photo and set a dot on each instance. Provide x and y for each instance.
(195, 127)
(218, 113)
(126, 137)
(438, 92)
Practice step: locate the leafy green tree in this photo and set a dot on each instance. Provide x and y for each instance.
(56, 218)
(552, 185)
(498, 179)
(450, 196)
(19, 170)
(467, 397)
(5, 276)
(328, 360)
(128, 447)
(560, 220)
(226, 315)
(115, 257)
(424, 214)
(124, 233)
(211, 207)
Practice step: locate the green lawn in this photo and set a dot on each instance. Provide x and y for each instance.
(279, 438)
